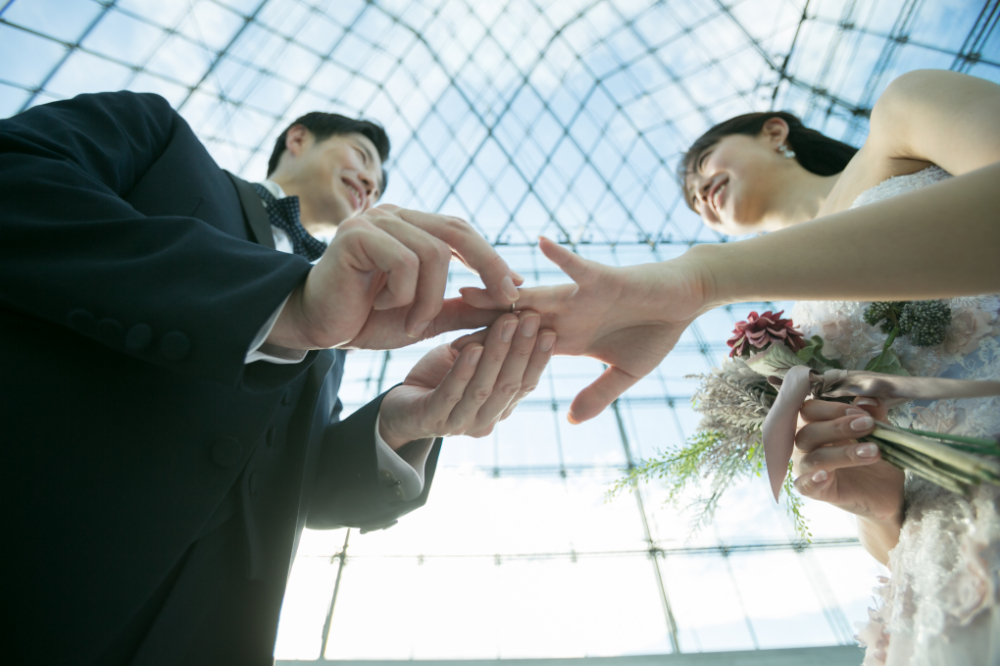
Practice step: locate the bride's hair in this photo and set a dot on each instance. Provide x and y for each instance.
(816, 152)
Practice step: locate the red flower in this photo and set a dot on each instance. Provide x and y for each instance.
(759, 331)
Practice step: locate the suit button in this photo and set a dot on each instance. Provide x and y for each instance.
(83, 321)
(138, 338)
(286, 399)
(175, 346)
(110, 332)
(391, 482)
(271, 437)
(227, 452)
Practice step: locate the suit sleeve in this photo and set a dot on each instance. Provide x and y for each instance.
(350, 489)
(169, 290)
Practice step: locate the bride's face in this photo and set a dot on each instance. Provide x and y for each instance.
(735, 183)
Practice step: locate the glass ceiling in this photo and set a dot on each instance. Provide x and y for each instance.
(555, 117)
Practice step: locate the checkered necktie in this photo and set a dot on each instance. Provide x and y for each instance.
(284, 214)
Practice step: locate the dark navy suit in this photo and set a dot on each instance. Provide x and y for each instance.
(153, 484)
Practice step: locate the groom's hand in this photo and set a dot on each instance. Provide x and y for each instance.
(468, 391)
(380, 284)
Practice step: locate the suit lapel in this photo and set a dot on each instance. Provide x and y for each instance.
(253, 208)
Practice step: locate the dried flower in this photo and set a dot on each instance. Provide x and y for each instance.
(734, 400)
(759, 331)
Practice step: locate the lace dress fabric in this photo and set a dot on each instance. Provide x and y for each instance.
(940, 605)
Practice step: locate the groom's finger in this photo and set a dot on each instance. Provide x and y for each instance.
(451, 389)
(472, 250)
(594, 399)
(536, 365)
(498, 342)
(508, 382)
(479, 337)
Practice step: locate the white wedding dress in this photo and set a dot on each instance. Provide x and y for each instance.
(940, 605)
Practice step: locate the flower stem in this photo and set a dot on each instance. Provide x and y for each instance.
(900, 458)
(972, 441)
(987, 469)
(893, 334)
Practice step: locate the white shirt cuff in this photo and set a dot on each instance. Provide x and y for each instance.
(408, 471)
(262, 351)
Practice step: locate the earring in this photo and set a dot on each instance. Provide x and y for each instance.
(786, 151)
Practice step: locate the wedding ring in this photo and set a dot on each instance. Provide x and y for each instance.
(512, 308)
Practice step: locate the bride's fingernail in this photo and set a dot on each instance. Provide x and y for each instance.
(546, 341)
(854, 411)
(862, 423)
(870, 402)
(474, 355)
(819, 477)
(866, 451)
(509, 290)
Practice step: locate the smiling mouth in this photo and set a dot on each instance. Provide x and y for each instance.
(717, 194)
(356, 196)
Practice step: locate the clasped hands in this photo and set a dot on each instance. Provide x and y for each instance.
(380, 285)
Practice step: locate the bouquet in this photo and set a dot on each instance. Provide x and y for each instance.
(750, 407)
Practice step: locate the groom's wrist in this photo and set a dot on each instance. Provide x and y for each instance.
(393, 427)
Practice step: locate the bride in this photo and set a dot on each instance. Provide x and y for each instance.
(911, 215)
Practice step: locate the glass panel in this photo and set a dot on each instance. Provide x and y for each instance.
(780, 600)
(65, 21)
(14, 44)
(83, 72)
(123, 38)
(706, 604)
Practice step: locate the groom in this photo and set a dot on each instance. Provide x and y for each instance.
(169, 425)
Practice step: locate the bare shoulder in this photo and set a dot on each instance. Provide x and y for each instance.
(936, 117)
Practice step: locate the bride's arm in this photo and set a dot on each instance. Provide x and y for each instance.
(938, 241)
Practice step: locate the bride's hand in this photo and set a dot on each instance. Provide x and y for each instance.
(628, 318)
(830, 465)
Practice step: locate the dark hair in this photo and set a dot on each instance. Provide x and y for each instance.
(324, 125)
(816, 152)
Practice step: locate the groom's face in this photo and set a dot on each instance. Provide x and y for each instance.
(335, 179)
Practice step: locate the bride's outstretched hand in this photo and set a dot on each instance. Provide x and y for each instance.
(628, 318)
